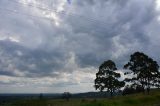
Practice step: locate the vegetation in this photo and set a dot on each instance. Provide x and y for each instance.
(144, 74)
(144, 70)
(108, 78)
(130, 100)
(66, 95)
(132, 89)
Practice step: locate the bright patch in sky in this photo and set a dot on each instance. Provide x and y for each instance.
(158, 4)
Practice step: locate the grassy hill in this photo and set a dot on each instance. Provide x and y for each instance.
(153, 99)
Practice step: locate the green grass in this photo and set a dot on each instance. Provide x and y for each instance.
(153, 99)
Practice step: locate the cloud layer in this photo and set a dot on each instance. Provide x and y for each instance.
(53, 46)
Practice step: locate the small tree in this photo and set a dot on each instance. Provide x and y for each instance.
(107, 78)
(40, 96)
(66, 95)
(144, 70)
(128, 90)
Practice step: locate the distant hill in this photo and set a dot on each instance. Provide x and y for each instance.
(13, 97)
(93, 95)
(58, 95)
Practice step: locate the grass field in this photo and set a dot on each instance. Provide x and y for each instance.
(153, 99)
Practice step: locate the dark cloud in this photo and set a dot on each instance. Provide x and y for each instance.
(32, 63)
(117, 28)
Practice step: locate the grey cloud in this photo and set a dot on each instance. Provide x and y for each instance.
(64, 84)
(103, 24)
(35, 63)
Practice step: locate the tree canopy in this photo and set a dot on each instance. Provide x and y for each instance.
(107, 78)
(144, 69)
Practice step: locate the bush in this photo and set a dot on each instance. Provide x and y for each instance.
(66, 95)
(139, 89)
(132, 89)
(128, 90)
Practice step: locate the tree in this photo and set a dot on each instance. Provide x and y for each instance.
(40, 96)
(144, 70)
(107, 78)
(66, 95)
(128, 90)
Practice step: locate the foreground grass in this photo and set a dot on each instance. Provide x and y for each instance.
(153, 99)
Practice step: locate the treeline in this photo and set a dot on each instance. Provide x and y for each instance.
(141, 74)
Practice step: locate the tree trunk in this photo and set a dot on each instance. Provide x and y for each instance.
(148, 86)
(148, 90)
(143, 89)
(111, 93)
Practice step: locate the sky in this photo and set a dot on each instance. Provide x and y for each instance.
(54, 46)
